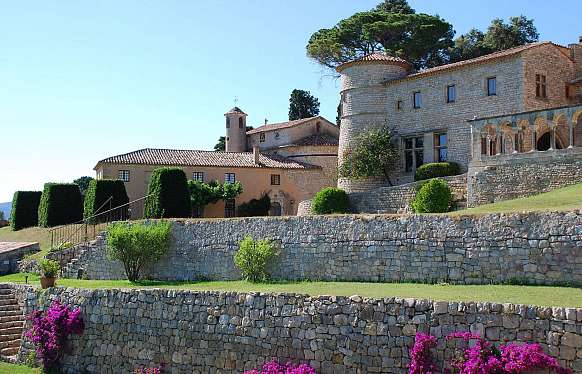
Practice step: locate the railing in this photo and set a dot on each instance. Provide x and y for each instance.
(87, 229)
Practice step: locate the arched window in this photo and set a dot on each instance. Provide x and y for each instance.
(227, 122)
(240, 123)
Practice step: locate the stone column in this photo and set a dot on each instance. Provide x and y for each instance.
(533, 138)
(499, 142)
(570, 132)
(488, 150)
(515, 132)
(552, 127)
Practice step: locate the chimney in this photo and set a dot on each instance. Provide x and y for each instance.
(256, 154)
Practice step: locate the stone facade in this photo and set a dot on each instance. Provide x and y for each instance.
(511, 176)
(218, 332)
(538, 248)
(376, 92)
(397, 199)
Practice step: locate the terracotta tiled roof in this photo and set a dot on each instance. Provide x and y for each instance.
(180, 157)
(317, 140)
(377, 58)
(281, 125)
(479, 60)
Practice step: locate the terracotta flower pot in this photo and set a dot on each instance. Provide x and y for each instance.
(47, 282)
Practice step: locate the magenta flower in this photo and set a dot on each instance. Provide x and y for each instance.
(274, 367)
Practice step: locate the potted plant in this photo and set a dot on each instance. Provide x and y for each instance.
(49, 269)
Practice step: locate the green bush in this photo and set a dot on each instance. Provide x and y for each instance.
(255, 207)
(330, 200)
(99, 192)
(253, 258)
(168, 194)
(138, 245)
(433, 197)
(49, 268)
(60, 204)
(24, 211)
(437, 169)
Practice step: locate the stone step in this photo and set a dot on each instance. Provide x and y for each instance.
(10, 313)
(11, 331)
(8, 301)
(10, 343)
(9, 324)
(13, 318)
(5, 286)
(9, 351)
(9, 307)
(5, 291)
(4, 337)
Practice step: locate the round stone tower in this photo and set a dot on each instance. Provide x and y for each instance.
(236, 130)
(365, 101)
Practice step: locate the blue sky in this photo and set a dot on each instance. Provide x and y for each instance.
(83, 80)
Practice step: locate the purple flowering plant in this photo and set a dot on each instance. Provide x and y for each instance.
(482, 357)
(274, 367)
(150, 370)
(50, 331)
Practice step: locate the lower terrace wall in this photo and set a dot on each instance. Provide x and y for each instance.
(396, 199)
(217, 332)
(505, 177)
(538, 248)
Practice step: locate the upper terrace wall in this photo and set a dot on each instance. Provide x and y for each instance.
(540, 248)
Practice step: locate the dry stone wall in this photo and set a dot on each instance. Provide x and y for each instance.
(505, 177)
(538, 248)
(218, 332)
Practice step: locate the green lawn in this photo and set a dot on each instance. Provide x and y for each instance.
(6, 368)
(562, 199)
(535, 295)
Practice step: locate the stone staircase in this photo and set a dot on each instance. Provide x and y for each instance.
(11, 324)
(70, 269)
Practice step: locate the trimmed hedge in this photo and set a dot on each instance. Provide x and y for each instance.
(60, 204)
(24, 211)
(437, 169)
(169, 196)
(330, 200)
(99, 191)
(255, 207)
(433, 196)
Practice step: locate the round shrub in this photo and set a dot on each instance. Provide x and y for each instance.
(433, 197)
(168, 194)
(436, 170)
(24, 212)
(60, 204)
(330, 200)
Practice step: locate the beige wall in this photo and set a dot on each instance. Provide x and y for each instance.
(296, 185)
(292, 134)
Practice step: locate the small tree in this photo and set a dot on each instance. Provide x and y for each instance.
(202, 194)
(253, 257)
(83, 183)
(220, 145)
(230, 191)
(302, 105)
(168, 194)
(374, 155)
(330, 200)
(138, 245)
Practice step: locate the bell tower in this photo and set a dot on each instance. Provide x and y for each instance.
(236, 130)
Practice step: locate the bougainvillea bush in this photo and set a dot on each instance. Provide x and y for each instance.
(150, 370)
(482, 357)
(274, 367)
(50, 331)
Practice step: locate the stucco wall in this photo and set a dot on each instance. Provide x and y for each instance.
(292, 134)
(505, 177)
(217, 332)
(540, 248)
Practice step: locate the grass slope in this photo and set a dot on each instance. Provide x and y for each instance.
(561, 199)
(534, 295)
(6, 368)
(31, 234)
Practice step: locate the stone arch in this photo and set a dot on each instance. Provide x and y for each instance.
(524, 135)
(561, 131)
(577, 123)
(488, 139)
(507, 130)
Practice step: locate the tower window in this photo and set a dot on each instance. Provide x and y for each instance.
(262, 137)
(440, 147)
(398, 104)
(317, 127)
(492, 86)
(541, 86)
(240, 123)
(277, 135)
(275, 179)
(451, 93)
(413, 153)
(227, 122)
(123, 175)
(417, 100)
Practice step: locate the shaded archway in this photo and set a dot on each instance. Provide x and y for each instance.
(544, 142)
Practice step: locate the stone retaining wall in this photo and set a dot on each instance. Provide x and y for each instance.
(11, 253)
(540, 248)
(505, 177)
(398, 198)
(218, 332)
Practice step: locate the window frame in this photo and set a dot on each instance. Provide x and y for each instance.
(121, 175)
(198, 176)
(414, 103)
(275, 179)
(228, 122)
(229, 208)
(541, 86)
(438, 146)
(454, 91)
(240, 122)
(488, 87)
(414, 152)
(227, 177)
(261, 137)
(398, 104)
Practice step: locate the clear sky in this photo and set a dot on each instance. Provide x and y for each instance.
(84, 80)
